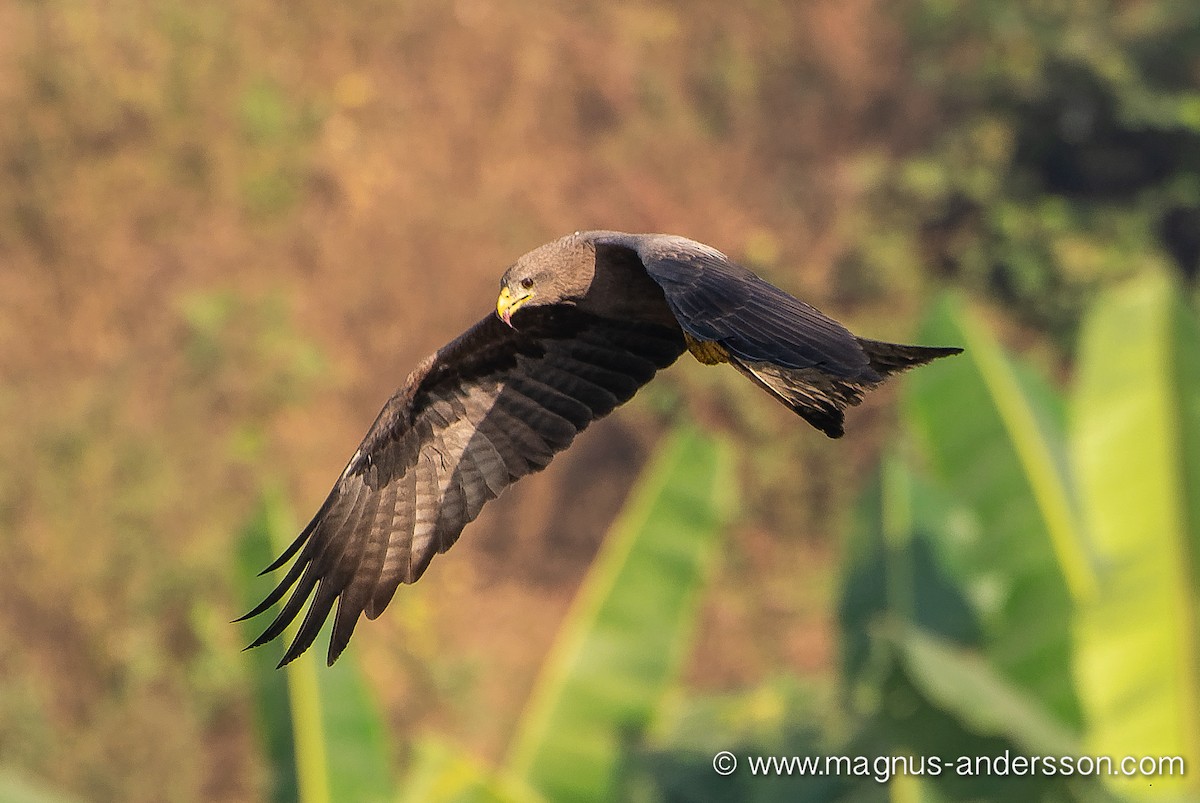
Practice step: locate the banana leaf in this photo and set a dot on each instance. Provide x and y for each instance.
(992, 434)
(322, 734)
(625, 637)
(1136, 448)
(444, 774)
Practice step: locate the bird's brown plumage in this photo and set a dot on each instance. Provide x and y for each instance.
(589, 319)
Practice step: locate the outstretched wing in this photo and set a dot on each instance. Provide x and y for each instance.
(717, 300)
(802, 357)
(484, 411)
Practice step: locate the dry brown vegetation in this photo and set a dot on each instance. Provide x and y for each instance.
(227, 231)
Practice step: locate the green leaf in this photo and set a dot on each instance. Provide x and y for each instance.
(357, 748)
(17, 788)
(917, 665)
(961, 682)
(270, 688)
(627, 632)
(897, 571)
(1136, 439)
(322, 733)
(992, 433)
(443, 774)
(780, 717)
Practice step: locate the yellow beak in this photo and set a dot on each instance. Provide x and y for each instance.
(507, 304)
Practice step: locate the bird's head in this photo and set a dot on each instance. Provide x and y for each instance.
(557, 273)
(517, 288)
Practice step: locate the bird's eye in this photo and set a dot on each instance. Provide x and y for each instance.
(526, 283)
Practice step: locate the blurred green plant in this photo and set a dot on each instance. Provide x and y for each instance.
(1136, 448)
(322, 734)
(622, 644)
(617, 655)
(248, 345)
(276, 132)
(1055, 566)
(1064, 153)
(14, 788)
(1021, 580)
(247, 348)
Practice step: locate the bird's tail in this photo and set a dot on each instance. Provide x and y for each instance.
(821, 398)
(891, 358)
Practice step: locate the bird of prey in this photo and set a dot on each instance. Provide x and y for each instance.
(580, 325)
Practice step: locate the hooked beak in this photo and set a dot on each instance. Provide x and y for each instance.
(507, 304)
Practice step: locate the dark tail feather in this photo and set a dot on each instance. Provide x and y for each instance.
(817, 397)
(890, 358)
(821, 398)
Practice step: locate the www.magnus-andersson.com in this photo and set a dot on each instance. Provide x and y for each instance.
(884, 768)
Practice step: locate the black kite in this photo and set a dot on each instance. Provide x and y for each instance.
(581, 323)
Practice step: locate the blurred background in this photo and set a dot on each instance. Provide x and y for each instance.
(228, 231)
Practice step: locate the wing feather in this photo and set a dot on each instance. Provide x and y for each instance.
(489, 408)
(397, 547)
(718, 300)
(802, 357)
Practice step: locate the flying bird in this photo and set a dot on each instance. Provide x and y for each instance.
(580, 325)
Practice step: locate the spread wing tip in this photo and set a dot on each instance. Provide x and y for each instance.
(292, 652)
(514, 398)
